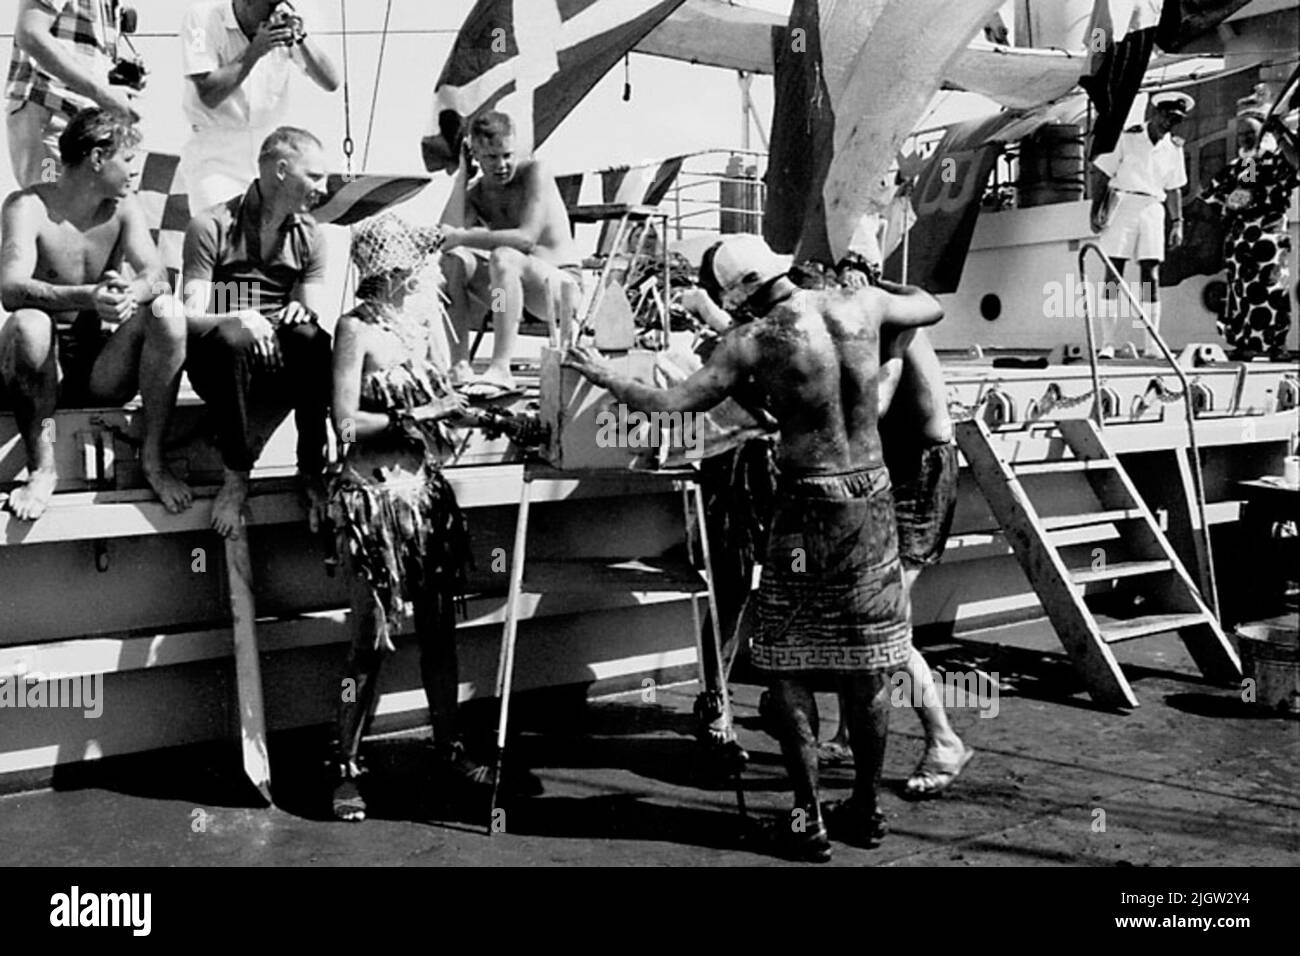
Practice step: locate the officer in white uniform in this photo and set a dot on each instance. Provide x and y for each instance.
(1140, 182)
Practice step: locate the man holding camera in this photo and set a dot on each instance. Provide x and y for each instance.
(64, 51)
(237, 56)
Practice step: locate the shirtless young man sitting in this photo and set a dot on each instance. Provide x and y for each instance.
(79, 281)
(832, 607)
(507, 246)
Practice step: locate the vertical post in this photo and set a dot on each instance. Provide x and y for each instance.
(506, 660)
(745, 81)
(668, 280)
(248, 669)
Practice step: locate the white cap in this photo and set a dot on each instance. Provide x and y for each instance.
(1174, 101)
(742, 262)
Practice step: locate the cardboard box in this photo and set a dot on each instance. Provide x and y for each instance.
(588, 428)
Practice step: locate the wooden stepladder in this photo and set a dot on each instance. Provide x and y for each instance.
(605, 574)
(1105, 573)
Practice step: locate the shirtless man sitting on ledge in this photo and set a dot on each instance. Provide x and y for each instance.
(82, 323)
(507, 246)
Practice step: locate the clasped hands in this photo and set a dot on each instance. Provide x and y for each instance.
(115, 299)
(266, 347)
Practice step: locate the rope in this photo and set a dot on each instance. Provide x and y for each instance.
(348, 145)
(374, 96)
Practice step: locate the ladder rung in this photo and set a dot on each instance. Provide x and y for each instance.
(1083, 519)
(1064, 465)
(610, 574)
(1113, 630)
(1120, 569)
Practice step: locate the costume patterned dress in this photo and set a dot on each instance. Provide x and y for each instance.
(404, 535)
(1254, 193)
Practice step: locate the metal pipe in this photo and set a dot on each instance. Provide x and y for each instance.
(1198, 477)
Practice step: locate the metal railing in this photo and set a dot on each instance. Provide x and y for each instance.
(1198, 478)
(696, 197)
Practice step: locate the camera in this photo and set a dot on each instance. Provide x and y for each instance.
(128, 71)
(284, 16)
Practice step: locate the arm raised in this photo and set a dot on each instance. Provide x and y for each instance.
(542, 202)
(904, 306)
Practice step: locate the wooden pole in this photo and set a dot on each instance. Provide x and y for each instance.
(506, 660)
(248, 668)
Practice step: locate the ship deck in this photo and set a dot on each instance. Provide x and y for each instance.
(1192, 777)
(108, 584)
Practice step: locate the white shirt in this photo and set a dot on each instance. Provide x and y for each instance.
(211, 38)
(1139, 166)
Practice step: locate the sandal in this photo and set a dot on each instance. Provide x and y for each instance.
(486, 390)
(776, 835)
(348, 804)
(932, 777)
(851, 823)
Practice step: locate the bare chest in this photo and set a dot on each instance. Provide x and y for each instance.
(68, 255)
(500, 208)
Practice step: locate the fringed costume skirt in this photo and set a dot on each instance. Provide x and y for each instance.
(406, 537)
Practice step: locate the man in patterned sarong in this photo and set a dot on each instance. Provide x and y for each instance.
(833, 611)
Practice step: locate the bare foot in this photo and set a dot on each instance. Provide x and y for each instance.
(462, 373)
(496, 375)
(30, 501)
(228, 507)
(937, 770)
(174, 494)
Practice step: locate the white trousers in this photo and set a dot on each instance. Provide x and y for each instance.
(219, 164)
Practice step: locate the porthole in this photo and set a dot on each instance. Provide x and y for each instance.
(990, 307)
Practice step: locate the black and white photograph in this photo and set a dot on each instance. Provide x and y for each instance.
(647, 434)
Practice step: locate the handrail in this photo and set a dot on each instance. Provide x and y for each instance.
(1198, 477)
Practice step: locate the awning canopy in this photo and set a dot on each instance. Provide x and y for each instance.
(715, 33)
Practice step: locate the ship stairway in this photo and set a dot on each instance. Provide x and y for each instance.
(1094, 554)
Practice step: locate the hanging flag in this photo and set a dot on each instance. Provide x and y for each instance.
(1121, 35)
(349, 199)
(532, 59)
(947, 199)
(852, 81)
(1186, 20)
